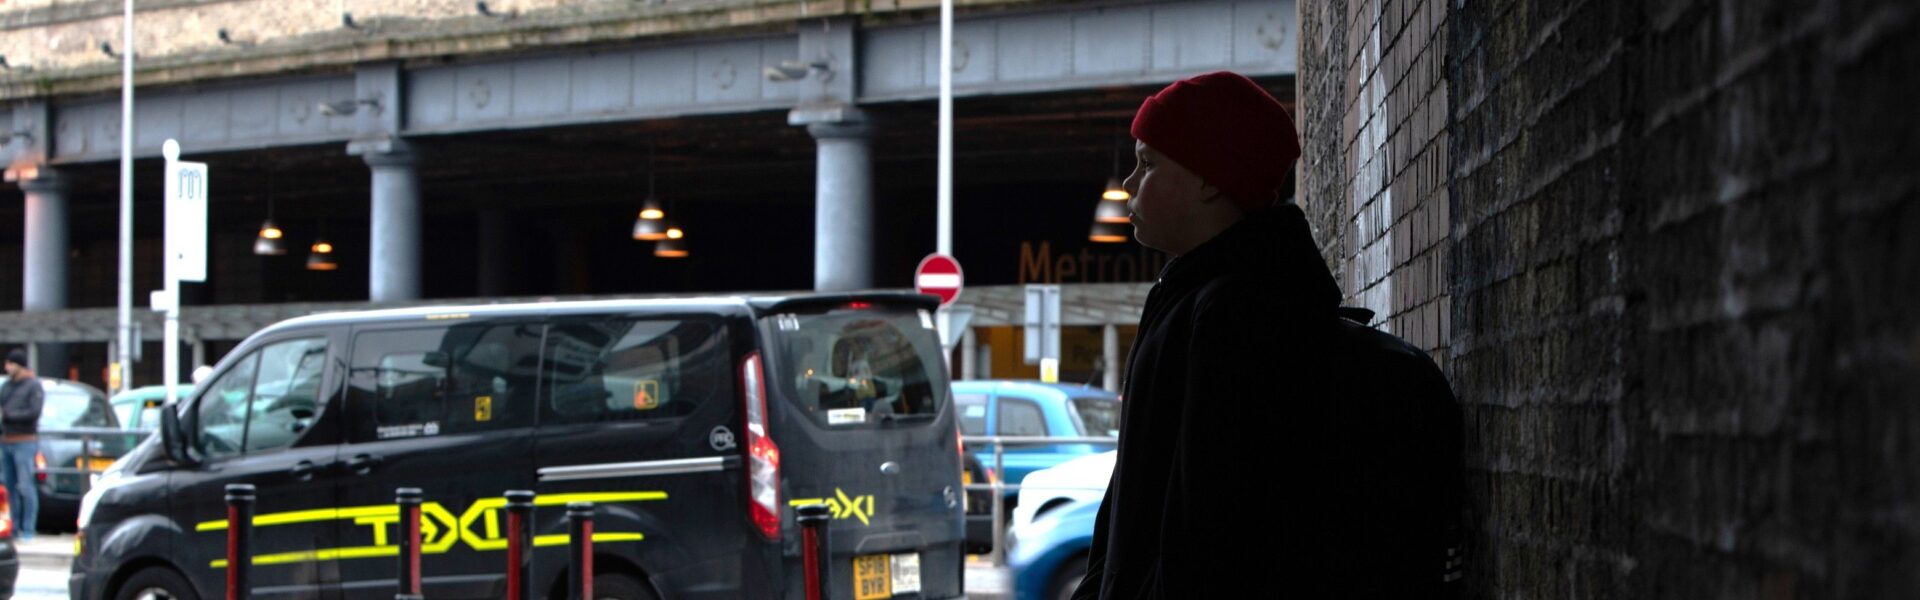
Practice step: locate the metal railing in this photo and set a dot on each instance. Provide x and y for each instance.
(998, 484)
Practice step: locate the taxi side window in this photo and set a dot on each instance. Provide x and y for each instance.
(1021, 417)
(220, 419)
(618, 369)
(265, 402)
(433, 381)
(973, 413)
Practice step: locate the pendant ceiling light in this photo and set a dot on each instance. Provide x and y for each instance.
(674, 244)
(650, 226)
(272, 240)
(1108, 233)
(320, 258)
(1113, 201)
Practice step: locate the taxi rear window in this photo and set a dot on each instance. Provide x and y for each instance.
(861, 365)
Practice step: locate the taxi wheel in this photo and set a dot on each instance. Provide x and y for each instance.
(616, 586)
(156, 583)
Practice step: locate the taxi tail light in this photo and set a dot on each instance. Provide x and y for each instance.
(763, 457)
(6, 515)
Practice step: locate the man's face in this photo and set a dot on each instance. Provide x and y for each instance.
(1168, 202)
(13, 370)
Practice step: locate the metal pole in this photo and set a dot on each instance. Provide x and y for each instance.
(813, 548)
(1110, 357)
(239, 540)
(580, 550)
(409, 501)
(170, 332)
(125, 330)
(519, 509)
(944, 185)
(999, 505)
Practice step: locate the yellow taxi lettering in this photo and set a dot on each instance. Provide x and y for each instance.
(440, 529)
(843, 506)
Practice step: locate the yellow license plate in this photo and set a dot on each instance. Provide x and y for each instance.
(99, 464)
(871, 577)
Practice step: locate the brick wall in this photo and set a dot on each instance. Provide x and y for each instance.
(1682, 247)
(1374, 177)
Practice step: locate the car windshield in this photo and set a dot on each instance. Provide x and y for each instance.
(66, 408)
(1096, 417)
(860, 365)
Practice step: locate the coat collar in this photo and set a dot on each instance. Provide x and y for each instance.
(1275, 245)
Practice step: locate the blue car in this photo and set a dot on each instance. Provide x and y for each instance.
(1049, 555)
(1031, 408)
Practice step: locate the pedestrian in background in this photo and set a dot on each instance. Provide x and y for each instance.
(20, 403)
(1259, 413)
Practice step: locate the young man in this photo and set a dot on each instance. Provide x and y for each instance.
(1269, 446)
(20, 403)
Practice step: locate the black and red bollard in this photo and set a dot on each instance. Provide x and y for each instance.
(813, 547)
(239, 540)
(519, 533)
(580, 550)
(409, 501)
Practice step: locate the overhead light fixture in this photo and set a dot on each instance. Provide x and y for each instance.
(674, 245)
(1115, 191)
(1108, 233)
(271, 240)
(650, 226)
(1111, 211)
(320, 257)
(1113, 200)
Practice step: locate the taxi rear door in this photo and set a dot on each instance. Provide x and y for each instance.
(639, 415)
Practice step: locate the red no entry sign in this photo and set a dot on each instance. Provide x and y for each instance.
(938, 275)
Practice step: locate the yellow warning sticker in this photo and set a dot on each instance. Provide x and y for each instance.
(646, 394)
(483, 408)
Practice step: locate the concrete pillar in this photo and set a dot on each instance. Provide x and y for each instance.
(1110, 356)
(969, 353)
(46, 248)
(394, 273)
(843, 207)
(492, 253)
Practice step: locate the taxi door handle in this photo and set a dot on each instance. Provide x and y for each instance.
(362, 464)
(303, 470)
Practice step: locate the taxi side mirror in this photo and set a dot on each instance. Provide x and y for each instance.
(173, 440)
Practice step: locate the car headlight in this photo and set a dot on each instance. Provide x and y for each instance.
(109, 479)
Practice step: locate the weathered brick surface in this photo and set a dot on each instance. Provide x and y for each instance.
(1375, 149)
(1680, 248)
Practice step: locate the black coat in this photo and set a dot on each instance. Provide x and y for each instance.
(20, 404)
(1270, 447)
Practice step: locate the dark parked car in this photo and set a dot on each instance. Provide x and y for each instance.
(70, 405)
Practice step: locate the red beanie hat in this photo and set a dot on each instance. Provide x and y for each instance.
(1226, 129)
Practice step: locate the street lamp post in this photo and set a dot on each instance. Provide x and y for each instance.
(125, 330)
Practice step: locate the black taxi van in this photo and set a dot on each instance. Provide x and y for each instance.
(695, 426)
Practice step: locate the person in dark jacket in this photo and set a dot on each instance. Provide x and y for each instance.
(1270, 445)
(20, 403)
